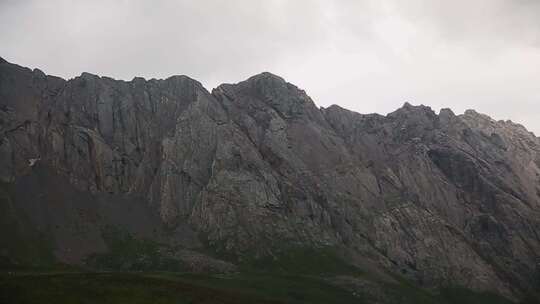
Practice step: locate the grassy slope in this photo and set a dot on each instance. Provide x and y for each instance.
(127, 253)
(161, 287)
(164, 288)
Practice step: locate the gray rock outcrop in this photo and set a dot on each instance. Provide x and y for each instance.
(255, 168)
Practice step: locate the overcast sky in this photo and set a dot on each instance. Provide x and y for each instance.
(367, 56)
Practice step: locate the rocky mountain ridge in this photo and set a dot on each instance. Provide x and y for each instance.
(255, 168)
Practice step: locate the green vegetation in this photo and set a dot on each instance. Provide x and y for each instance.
(166, 287)
(276, 287)
(466, 296)
(307, 261)
(405, 292)
(127, 253)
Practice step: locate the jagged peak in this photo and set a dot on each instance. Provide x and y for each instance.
(86, 75)
(336, 107)
(89, 76)
(447, 112)
(273, 91)
(408, 109)
(470, 113)
(138, 79)
(180, 77)
(184, 79)
(480, 120)
(272, 83)
(264, 82)
(39, 72)
(266, 76)
(336, 112)
(407, 105)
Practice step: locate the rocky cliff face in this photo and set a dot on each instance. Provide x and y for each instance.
(255, 168)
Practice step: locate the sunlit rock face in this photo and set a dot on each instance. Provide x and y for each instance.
(255, 168)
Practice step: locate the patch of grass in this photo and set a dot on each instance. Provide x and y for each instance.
(405, 292)
(466, 296)
(277, 287)
(111, 288)
(127, 253)
(299, 260)
(239, 288)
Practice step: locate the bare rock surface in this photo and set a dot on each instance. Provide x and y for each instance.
(254, 168)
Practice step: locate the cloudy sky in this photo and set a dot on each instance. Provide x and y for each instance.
(368, 56)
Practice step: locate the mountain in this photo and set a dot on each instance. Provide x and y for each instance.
(162, 174)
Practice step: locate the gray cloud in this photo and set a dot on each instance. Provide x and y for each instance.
(368, 56)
